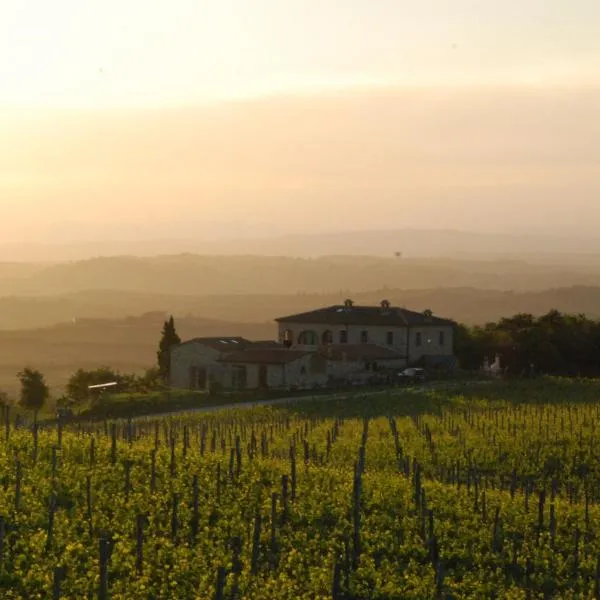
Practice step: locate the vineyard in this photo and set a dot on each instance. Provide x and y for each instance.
(491, 492)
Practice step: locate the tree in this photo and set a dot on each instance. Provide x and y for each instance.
(168, 340)
(34, 391)
(78, 384)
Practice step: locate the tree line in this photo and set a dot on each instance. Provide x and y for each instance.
(552, 344)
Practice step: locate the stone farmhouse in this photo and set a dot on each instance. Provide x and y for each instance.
(334, 345)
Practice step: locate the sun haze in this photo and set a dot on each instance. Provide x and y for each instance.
(271, 113)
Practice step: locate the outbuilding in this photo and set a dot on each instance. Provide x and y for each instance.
(273, 368)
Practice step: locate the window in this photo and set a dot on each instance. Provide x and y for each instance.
(238, 377)
(288, 338)
(343, 336)
(364, 337)
(418, 338)
(390, 338)
(327, 337)
(308, 338)
(202, 379)
(442, 338)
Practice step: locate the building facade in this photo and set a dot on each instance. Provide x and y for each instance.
(196, 362)
(316, 348)
(274, 369)
(412, 334)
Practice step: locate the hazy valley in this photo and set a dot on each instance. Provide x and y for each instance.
(63, 315)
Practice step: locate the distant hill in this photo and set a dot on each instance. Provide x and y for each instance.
(412, 243)
(468, 305)
(190, 274)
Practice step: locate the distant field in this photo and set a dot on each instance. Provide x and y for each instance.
(476, 492)
(128, 345)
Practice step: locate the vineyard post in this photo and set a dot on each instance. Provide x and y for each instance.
(256, 542)
(576, 555)
(495, 541)
(174, 518)
(59, 432)
(35, 442)
(336, 586)
(88, 498)
(274, 522)
(19, 476)
(153, 471)
(220, 586)
(236, 564)
(50, 528)
(2, 534)
(284, 498)
(238, 456)
(139, 562)
(113, 446)
(293, 472)
(59, 575)
(172, 467)
(218, 482)
(195, 508)
(127, 486)
(231, 464)
(356, 546)
(541, 505)
(104, 556)
(54, 462)
(92, 451)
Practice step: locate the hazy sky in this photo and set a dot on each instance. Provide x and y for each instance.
(139, 52)
(455, 150)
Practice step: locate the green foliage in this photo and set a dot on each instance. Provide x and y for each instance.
(168, 339)
(554, 344)
(34, 391)
(78, 385)
(449, 504)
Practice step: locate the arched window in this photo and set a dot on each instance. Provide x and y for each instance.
(327, 337)
(308, 338)
(288, 338)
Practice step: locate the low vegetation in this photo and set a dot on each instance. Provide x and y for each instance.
(489, 491)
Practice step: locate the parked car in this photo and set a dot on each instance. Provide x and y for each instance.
(413, 375)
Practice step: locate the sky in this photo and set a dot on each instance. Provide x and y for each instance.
(106, 109)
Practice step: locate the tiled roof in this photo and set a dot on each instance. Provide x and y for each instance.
(223, 344)
(358, 352)
(365, 315)
(265, 356)
(266, 344)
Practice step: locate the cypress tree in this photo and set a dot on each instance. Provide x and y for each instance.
(168, 339)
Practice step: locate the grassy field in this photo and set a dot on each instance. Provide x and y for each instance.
(471, 491)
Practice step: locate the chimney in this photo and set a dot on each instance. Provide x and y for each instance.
(348, 303)
(385, 306)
